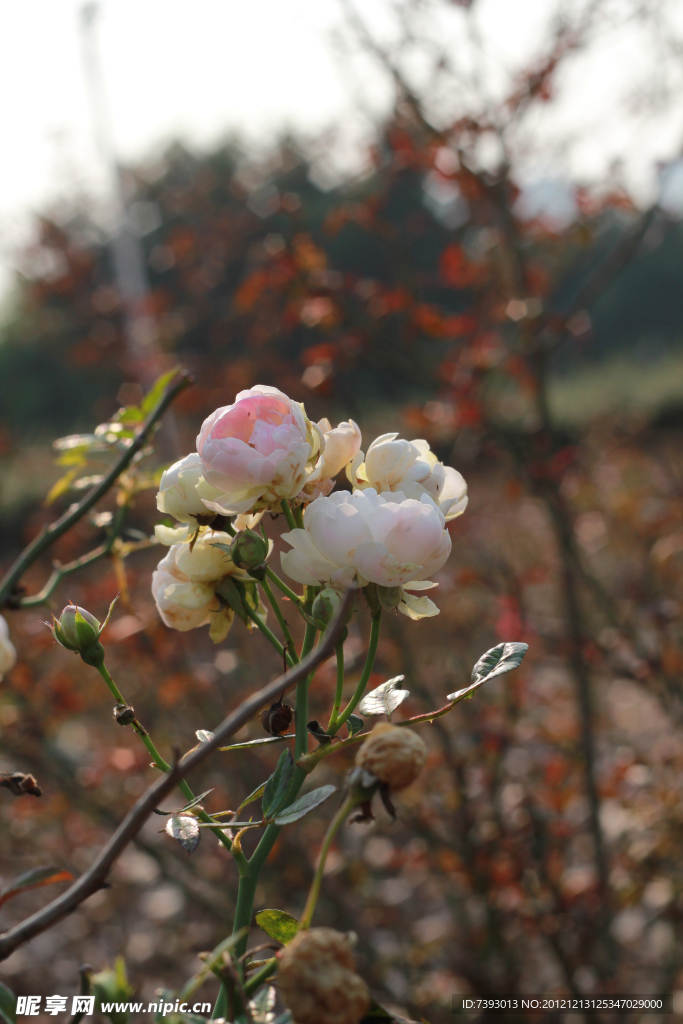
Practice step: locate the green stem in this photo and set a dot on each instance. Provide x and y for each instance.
(281, 619)
(299, 517)
(301, 704)
(247, 883)
(269, 635)
(332, 830)
(50, 534)
(282, 586)
(363, 681)
(157, 759)
(285, 506)
(339, 651)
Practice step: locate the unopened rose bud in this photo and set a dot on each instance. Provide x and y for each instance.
(327, 605)
(78, 630)
(248, 550)
(389, 597)
(393, 754)
(318, 981)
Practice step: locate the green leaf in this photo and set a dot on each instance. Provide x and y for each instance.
(278, 925)
(33, 879)
(228, 590)
(260, 742)
(384, 699)
(195, 800)
(276, 788)
(378, 1013)
(304, 805)
(256, 795)
(137, 413)
(63, 484)
(8, 1005)
(354, 724)
(500, 659)
(185, 829)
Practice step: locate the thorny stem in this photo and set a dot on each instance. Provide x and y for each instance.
(157, 760)
(363, 681)
(261, 975)
(60, 571)
(332, 830)
(50, 534)
(339, 651)
(286, 632)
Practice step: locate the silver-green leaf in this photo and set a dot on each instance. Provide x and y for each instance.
(185, 829)
(500, 659)
(277, 786)
(384, 699)
(304, 805)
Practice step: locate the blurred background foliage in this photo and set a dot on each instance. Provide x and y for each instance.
(540, 851)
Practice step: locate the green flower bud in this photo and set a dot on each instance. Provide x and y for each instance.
(326, 605)
(248, 550)
(76, 629)
(389, 597)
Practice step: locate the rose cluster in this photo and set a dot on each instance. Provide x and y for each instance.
(263, 452)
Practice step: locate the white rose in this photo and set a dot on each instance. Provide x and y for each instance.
(184, 588)
(8, 654)
(367, 537)
(341, 443)
(177, 490)
(412, 468)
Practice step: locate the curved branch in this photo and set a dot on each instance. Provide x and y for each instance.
(72, 515)
(95, 877)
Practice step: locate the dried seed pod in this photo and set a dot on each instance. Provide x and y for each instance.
(20, 783)
(276, 719)
(393, 754)
(318, 980)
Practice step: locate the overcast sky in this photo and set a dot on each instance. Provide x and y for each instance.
(203, 69)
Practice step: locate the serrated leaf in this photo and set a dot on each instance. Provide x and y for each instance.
(384, 699)
(304, 805)
(500, 659)
(185, 830)
(354, 724)
(195, 800)
(204, 735)
(278, 925)
(276, 788)
(256, 795)
(261, 1006)
(8, 1005)
(34, 879)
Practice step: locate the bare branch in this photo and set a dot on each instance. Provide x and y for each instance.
(95, 877)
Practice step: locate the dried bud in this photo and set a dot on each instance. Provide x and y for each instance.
(318, 980)
(124, 714)
(276, 719)
(393, 754)
(19, 783)
(248, 550)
